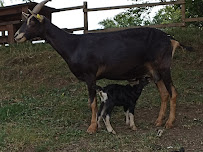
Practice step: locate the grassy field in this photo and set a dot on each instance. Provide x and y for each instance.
(43, 107)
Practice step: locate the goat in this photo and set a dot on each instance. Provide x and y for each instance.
(122, 55)
(119, 95)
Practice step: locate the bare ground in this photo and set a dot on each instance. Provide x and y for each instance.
(187, 131)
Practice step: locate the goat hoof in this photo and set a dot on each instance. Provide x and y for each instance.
(158, 123)
(168, 125)
(92, 128)
(134, 128)
(113, 132)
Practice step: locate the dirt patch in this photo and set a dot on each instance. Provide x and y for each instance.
(187, 131)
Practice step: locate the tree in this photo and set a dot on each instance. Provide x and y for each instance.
(131, 17)
(169, 14)
(172, 14)
(1, 3)
(194, 9)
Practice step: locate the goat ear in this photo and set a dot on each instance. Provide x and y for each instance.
(40, 17)
(25, 15)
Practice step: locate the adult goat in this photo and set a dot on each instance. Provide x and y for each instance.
(122, 55)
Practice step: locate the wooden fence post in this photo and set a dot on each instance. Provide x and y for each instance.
(85, 17)
(3, 33)
(183, 12)
(10, 33)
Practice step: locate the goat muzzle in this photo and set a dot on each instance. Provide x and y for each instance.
(19, 37)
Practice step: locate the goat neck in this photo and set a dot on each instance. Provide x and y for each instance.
(63, 42)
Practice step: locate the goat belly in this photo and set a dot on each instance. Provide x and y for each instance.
(122, 74)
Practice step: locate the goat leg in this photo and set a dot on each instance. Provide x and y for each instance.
(93, 126)
(108, 124)
(93, 104)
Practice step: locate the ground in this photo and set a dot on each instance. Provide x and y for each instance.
(187, 132)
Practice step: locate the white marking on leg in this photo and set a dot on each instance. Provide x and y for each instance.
(127, 117)
(99, 118)
(108, 125)
(132, 123)
(103, 96)
(98, 122)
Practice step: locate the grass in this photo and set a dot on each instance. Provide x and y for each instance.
(43, 107)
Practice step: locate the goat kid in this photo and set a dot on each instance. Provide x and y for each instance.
(121, 55)
(119, 95)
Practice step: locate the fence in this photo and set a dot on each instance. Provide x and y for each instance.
(86, 10)
(10, 17)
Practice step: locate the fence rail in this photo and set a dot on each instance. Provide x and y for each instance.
(86, 10)
(136, 5)
(71, 8)
(10, 25)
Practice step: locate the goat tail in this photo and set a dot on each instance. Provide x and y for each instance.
(187, 48)
(176, 44)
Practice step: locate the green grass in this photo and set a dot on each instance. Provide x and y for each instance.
(43, 107)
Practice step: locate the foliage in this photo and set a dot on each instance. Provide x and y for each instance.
(108, 23)
(168, 14)
(131, 17)
(172, 14)
(194, 9)
(1, 3)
